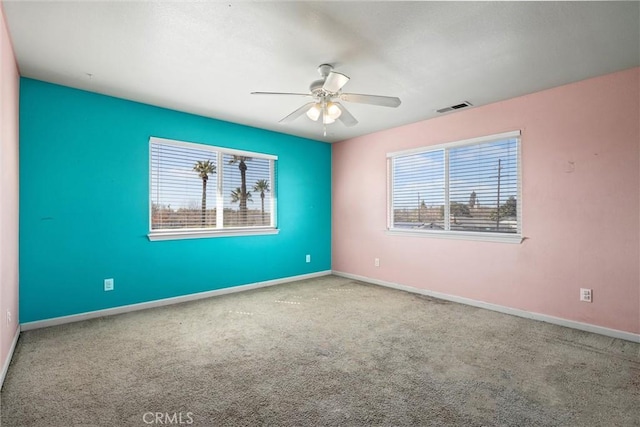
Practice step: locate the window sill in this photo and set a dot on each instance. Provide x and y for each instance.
(203, 234)
(459, 235)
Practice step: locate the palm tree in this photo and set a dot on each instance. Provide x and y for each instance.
(204, 168)
(262, 186)
(242, 165)
(236, 196)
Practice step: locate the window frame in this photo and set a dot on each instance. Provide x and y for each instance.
(515, 238)
(220, 230)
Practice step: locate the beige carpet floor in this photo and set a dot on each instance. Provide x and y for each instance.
(321, 352)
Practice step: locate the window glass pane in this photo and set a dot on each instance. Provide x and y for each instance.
(183, 187)
(479, 183)
(247, 191)
(483, 187)
(191, 191)
(418, 190)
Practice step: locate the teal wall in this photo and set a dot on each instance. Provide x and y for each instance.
(84, 183)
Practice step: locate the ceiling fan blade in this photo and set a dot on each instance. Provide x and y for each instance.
(334, 82)
(300, 111)
(346, 118)
(281, 93)
(383, 101)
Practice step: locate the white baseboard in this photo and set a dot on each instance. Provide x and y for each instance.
(614, 333)
(166, 301)
(7, 361)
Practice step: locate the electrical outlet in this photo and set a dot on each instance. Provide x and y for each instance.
(8, 318)
(586, 295)
(308, 258)
(108, 284)
(376, 262)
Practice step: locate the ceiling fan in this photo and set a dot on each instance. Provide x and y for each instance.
(325, 93)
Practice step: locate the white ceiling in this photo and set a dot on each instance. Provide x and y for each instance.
(206, 58)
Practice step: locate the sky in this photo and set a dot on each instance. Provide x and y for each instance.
(418, 177)
(175, 183)
(421, 176)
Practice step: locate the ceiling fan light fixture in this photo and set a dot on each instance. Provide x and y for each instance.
(314, 112)
(327, 120)
(333, 111)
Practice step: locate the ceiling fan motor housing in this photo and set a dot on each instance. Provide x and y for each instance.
(324, 70)
(316, 87)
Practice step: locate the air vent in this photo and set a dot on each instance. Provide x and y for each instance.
(464, 104)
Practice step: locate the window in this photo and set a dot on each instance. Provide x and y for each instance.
(198, 190)
(467, 189)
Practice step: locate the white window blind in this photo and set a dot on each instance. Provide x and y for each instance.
(255, 210)
(418, 192)
(177, 199)
(468, 187)
(197, 187)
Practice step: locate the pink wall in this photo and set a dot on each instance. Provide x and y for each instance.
(9, 86)
(582, 229)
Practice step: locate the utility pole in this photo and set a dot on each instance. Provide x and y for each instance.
(498, 203)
